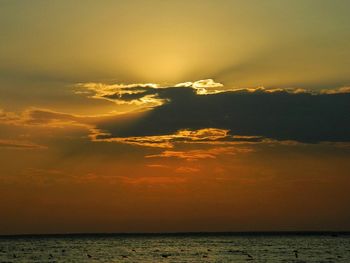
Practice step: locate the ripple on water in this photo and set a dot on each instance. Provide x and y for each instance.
(167, 248)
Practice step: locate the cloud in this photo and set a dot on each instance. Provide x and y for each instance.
(276, 114)
(48, 119)
(193, 155)
(186, 169)
(216, 115)
(20, 145)
(340, 90)
(153, 180)
(157, 166)
(39, 117)
(138, 94)
(168, 140)
(204, 87)
(8, 117)
(146, 94)
(45, 118)
(181, 169)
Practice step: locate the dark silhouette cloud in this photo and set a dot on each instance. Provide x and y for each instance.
(188, 114)
(279, 115)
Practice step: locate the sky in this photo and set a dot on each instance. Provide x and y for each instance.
(174, 116)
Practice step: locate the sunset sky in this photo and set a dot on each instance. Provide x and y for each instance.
(174, 116)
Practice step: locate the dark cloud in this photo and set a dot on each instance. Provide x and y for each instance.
(279, 115)
(197, 115)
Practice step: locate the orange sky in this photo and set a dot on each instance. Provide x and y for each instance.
(75, 185)
(172, 116)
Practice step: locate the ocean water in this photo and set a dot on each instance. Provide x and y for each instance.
(177, 248)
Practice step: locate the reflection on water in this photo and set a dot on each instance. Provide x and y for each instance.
(176, 248)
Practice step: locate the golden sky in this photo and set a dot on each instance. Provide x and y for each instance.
(163, 116)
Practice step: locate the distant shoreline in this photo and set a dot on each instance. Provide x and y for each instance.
(179, 234)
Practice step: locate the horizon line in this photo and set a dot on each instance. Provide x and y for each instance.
(194, 233)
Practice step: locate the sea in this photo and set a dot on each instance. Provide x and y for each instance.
(178, 247)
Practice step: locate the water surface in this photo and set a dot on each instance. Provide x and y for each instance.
(177, 248)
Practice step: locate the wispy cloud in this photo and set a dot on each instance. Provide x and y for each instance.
(167, 141)
(14, 144)
(186, 169)
(193, 155)
(138, 94)
(341, 90)
(153, 180)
